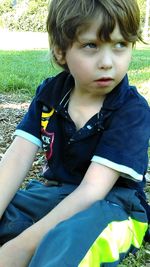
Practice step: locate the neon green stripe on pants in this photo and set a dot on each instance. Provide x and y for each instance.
(115, 239)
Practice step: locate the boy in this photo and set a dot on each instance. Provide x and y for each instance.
(95, 129)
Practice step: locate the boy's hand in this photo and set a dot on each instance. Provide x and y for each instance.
(15, 254)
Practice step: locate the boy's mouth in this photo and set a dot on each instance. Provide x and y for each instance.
(104, 81)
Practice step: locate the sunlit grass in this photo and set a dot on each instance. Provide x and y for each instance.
(22, 71)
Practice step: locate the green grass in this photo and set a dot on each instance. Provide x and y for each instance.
(141, 259)
(139, 72)
(22, 71)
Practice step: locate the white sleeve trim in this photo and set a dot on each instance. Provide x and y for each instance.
(28, 137)
(123, 170)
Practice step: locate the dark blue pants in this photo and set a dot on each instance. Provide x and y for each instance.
(102, 235)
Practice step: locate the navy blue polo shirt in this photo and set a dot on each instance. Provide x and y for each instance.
(117, 136)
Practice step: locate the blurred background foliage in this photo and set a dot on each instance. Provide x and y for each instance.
(30, 15)
(23, 15)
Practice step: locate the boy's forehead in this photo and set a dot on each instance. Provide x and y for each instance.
(91, 32)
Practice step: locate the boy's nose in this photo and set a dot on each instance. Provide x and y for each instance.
(105, 60)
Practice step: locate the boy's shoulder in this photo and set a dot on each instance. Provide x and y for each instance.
(135, 104)
(137, 96)
(53, 81)
(54, 88)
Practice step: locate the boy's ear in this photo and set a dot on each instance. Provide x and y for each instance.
(59, 55)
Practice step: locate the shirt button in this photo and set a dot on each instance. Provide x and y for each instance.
(89, 127)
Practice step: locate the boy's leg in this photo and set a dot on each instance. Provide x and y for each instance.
(30, 205)
(102, 235)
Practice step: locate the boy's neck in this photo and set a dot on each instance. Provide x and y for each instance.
(86, 99)
(82, 107)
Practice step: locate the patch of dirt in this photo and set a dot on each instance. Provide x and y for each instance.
(23, 40)
(11, 113)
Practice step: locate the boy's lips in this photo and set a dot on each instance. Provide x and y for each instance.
(104, 81)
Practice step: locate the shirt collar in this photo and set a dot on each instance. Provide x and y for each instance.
(55, 92)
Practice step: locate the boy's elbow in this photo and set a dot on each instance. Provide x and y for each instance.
(92, 193)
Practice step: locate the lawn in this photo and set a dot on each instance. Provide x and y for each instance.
(22, 71)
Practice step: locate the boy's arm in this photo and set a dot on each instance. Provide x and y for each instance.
(97, 182)
(13, 169)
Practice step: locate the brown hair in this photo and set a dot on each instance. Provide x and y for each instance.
(67, 17)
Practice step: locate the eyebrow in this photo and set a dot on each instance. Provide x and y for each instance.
(92, 39)
(88, 39)
(120, 39)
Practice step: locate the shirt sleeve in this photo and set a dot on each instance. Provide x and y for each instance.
(124, 145)
(30, 126)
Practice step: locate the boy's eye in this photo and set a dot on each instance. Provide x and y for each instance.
(120, 45)
(90, 45)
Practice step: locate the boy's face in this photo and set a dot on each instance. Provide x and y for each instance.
(97, 67)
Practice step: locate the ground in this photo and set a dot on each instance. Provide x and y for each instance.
(12, 110)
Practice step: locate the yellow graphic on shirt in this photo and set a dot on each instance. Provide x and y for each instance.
(45, 118)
